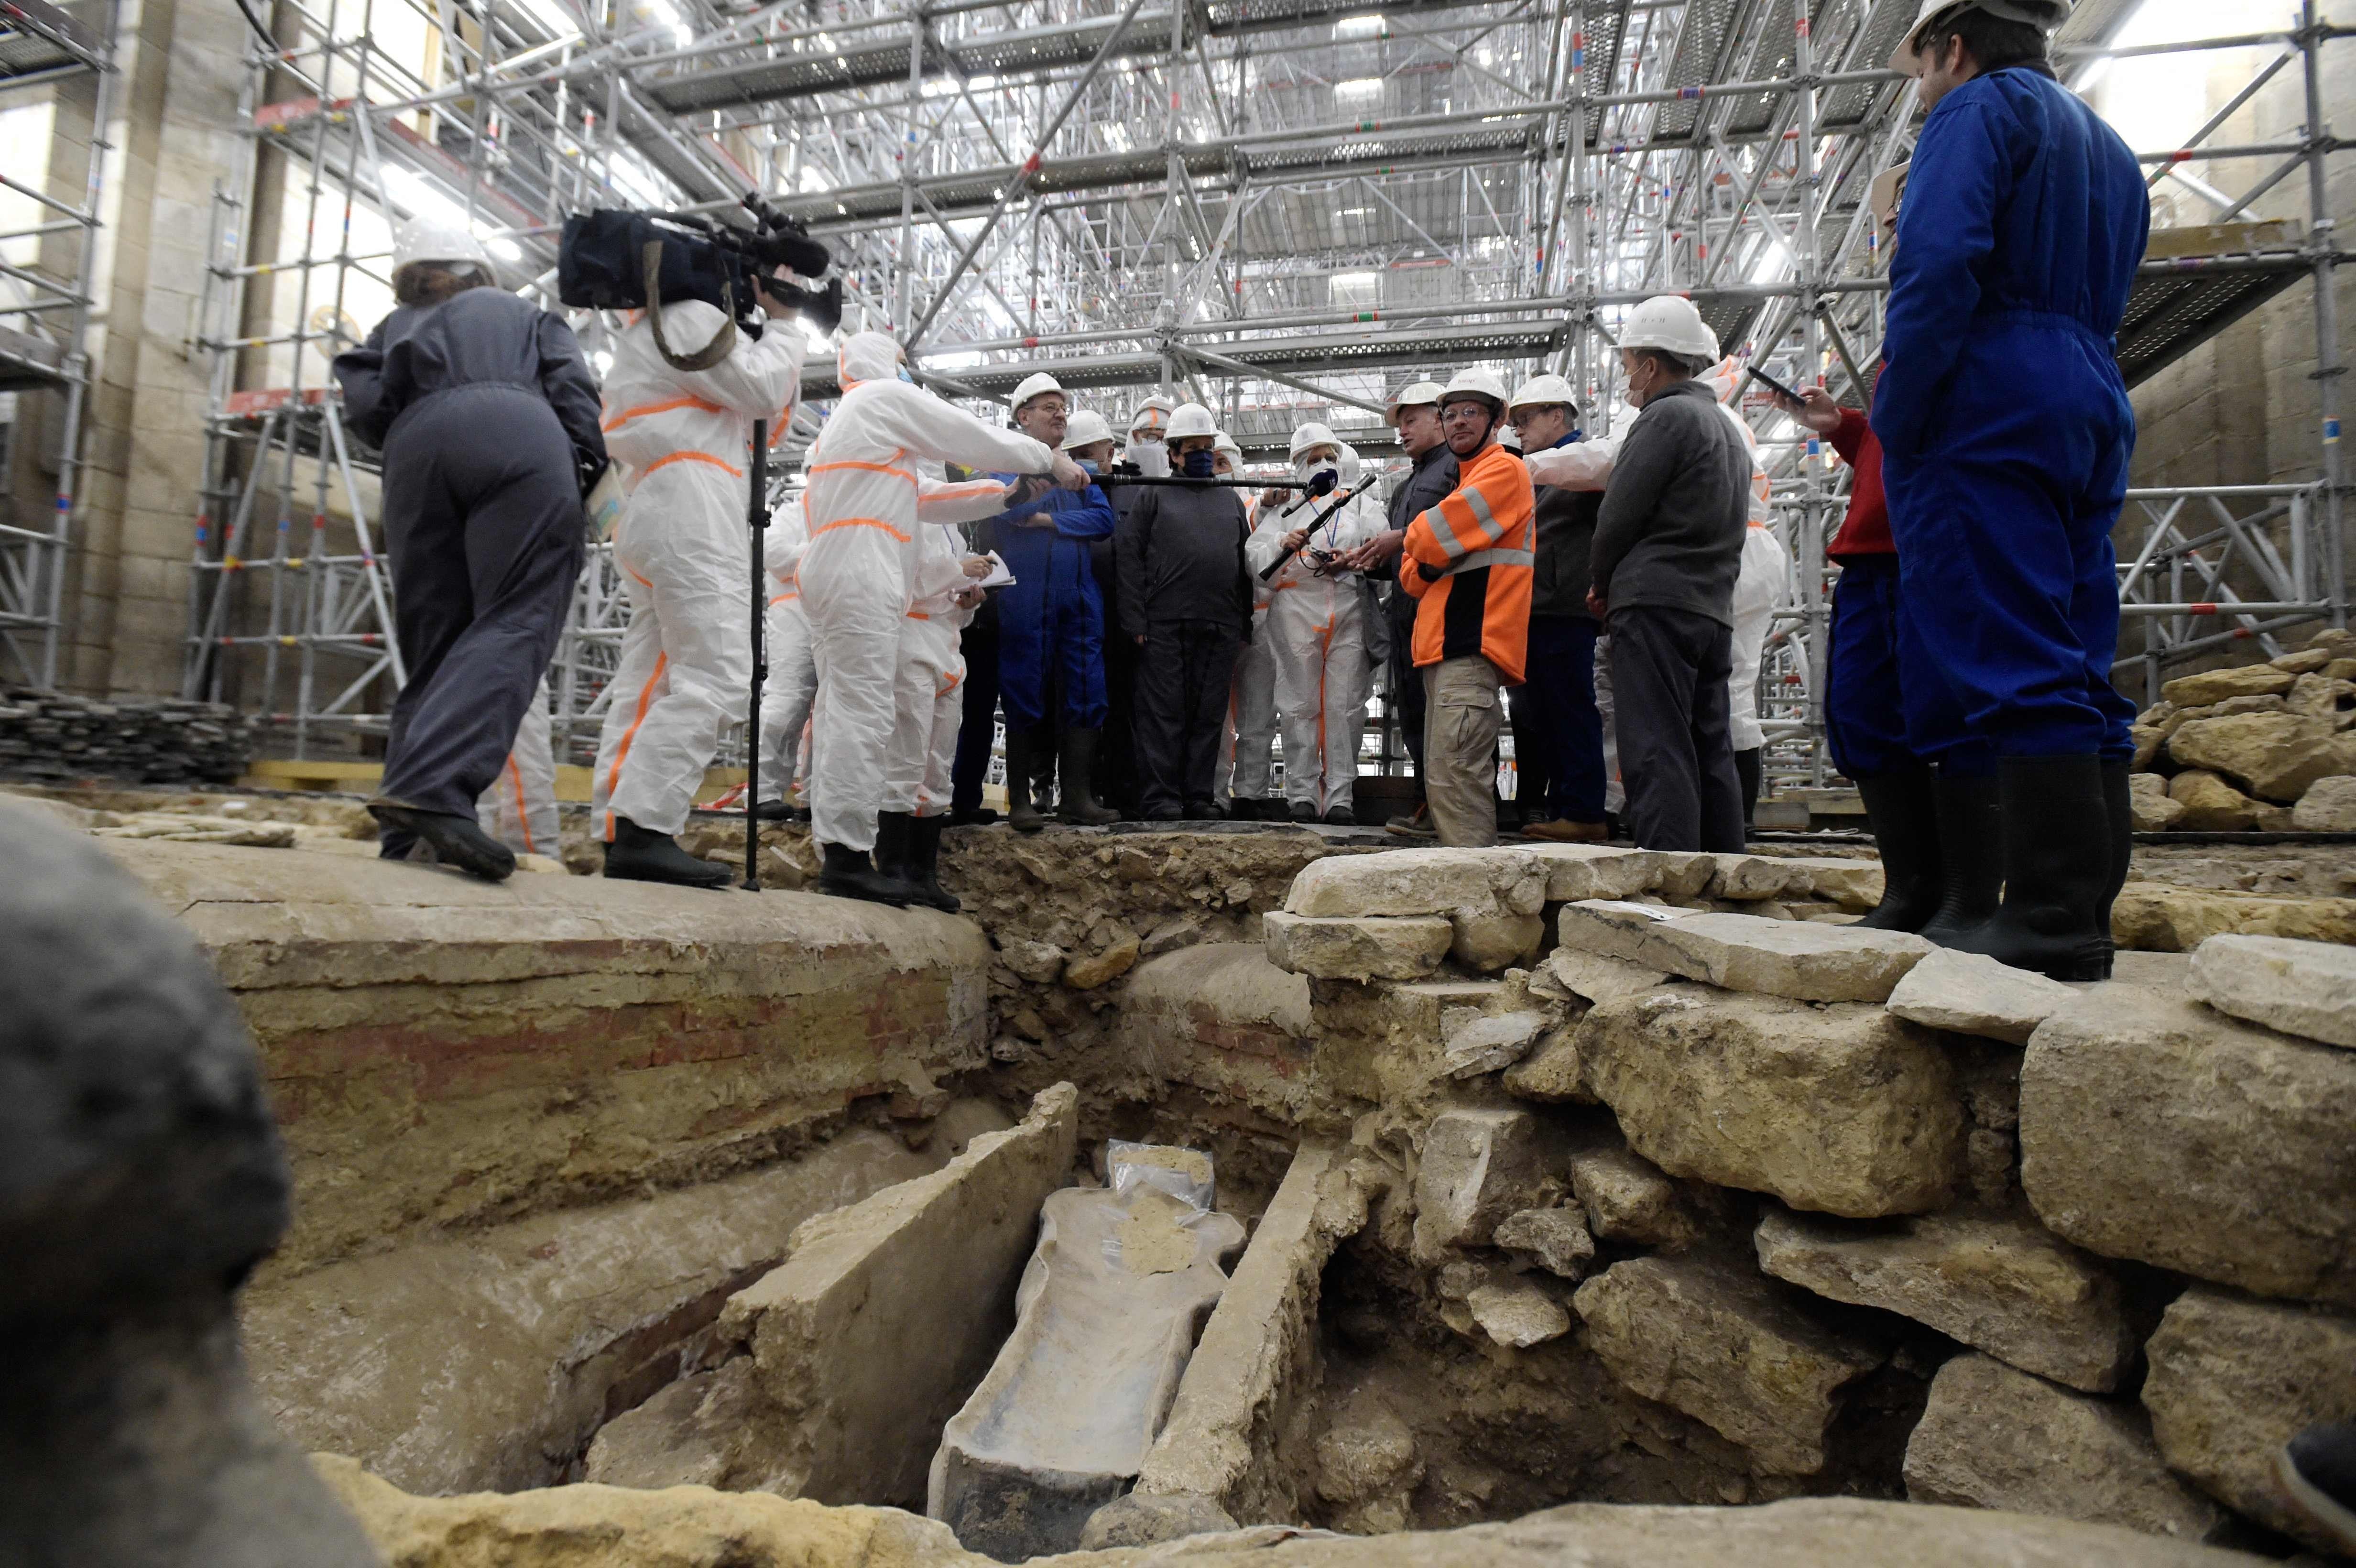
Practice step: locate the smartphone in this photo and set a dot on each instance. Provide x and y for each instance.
(1772, 385)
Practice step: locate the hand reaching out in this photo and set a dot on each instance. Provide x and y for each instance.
(1070, 474)
(1818, 412)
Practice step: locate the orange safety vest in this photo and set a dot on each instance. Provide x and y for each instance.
(1477, 540)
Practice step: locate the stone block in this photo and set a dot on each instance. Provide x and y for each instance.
(2274, 756)
(1420, 882)
(2232, 1380)
(1843, 1109)
(1596, 871)
(1062, 1425)
(2304, 661)
(1801, 959)
(1517, 1315)
(2328, 807)
(1598, 979)
(1757, 876)
(2217, 685)
(1490, 1042)
(1372, 947)
(1968, 993)
(2154, 809)
(1683, 876)
(1550, 1074)
(2323, 696)
(2153, 1128)
(1627, 1198)
(861, 1355)
(1087, 971)
(2210, 805)
(2001, 1284)
(1852, 884)
(1477, 1167)
(1728, 1349)
(1994, 1437)
(1139, 1519)
(1492, 940)
(1037, 962)
(2148, 738)
(2306, 988)
(1555, 1238)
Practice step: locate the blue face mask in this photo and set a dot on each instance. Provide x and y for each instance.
(1088, 464)
(1201, 465)
(906, 377)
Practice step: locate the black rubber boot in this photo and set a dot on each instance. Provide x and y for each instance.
(772, 811)
(639, 855)
(1242, 808)
(1902, 808)
(848, 874)
(894, 843)
(1022, 813)
(2057, 863)
(454, 840)
(1341, 816)
(2118, 803)
(1971, 859)
(1302, 811)
(1081, 808)
(923, 868)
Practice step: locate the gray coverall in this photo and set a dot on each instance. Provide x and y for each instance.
(487, 416)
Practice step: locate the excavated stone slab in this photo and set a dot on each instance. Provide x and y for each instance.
(1420, 882)
(2217, 685)
(2328, 807)
(1748, 876)
(1517, 1315)
(1555, 1238)
(2274, 756)
(2299, 988)
(1490, 1042)
(1852, 884)
(2232, 1380)
(1842, 1109)
(1220, 1018)
(1728, 1349)
(1970, 993)
(1801, 959)
(1597, 871)
(1257, 1359)
(862, 1355)
(2154, 1128)
(1549, 1074)
(1627, 1198)
(597, 1527)
(1599, 978)
(2004, 1285)
(441, 1051)
(1489, 941)
(2157, 918)
(1104, 1322)
(1995, 1437)
(1477, 1168)
(1370, 947)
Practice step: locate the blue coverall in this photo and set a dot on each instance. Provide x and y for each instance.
(2004, 424)
(1051, 618)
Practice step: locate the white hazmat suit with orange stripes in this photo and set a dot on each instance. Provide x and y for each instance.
(859, 570)
(931, 699)
(792, 682)
(520, 808)
(686, 657)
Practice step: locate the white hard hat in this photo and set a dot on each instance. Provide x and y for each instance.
(1032, 386)
(1510, 438)
(1226, 443)
(1415, 394)
(1670, 323)
(1540, 389)
(1190, 418)
(432, 240)
(1087, 428)
(1152, 414)
(2045, 16)
(1474, 383)
(1312, 434)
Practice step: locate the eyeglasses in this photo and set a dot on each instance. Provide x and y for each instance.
(1466, 412)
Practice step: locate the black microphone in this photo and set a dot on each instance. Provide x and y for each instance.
(1323, 485)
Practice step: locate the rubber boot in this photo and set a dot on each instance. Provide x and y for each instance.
(2118, 803)
(2057, 865)
(848, 874)
(1022, 813)
(638, 854)
(922, 867)
(1302, 811)
(772, 811)
(894, 843)
(1902, 808)
(1081, 808)
(1971, 863)
(454, 840)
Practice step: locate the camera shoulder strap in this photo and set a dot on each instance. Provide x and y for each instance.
(724, 342)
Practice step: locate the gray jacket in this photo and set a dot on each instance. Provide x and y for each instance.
(1180, 553)
(1670, 530)
(475, 336)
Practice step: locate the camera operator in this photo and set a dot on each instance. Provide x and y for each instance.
(486, 415)
(687, 656)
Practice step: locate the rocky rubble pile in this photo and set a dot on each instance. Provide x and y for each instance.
(2268, 747)
(1757, 1166)
(52, 735)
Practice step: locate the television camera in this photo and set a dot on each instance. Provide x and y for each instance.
(619, 260)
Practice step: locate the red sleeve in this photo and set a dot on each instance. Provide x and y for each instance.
(1850, 434)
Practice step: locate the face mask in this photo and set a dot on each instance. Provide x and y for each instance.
(906, 377)
(1152, 457)
(1306, 471)
(1200, 464)
(1088, 465)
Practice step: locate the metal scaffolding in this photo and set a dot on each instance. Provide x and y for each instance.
(45, 310)
(1279, 208)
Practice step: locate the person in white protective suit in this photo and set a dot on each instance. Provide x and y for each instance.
(687, 656)
(1247, 746)
(791, 685)
(1315, 625)
(858, 573)
(520, 808)
(930, 706)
